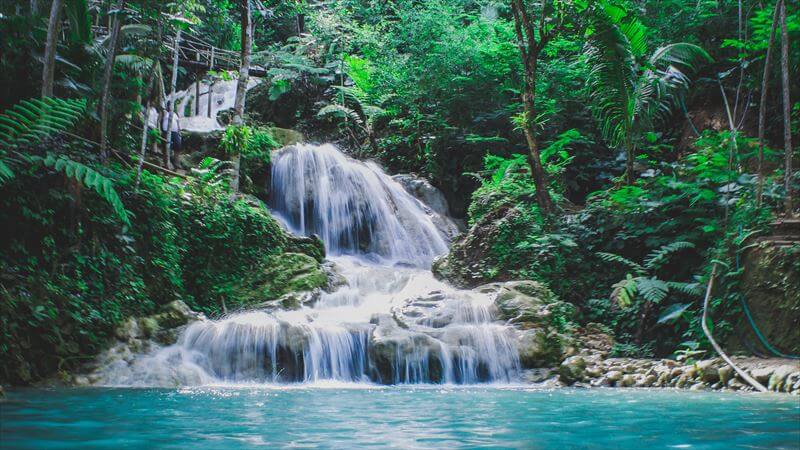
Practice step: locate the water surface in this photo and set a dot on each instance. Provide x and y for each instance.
(414, 417)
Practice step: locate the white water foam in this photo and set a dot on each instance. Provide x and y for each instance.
(392, 323)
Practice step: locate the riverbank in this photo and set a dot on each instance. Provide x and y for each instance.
(778, 375)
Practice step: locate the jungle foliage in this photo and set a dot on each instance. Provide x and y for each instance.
(645, 119)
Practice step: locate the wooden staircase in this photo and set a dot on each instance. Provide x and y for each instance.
(785, 232)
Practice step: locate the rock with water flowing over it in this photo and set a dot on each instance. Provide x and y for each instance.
(434, 199)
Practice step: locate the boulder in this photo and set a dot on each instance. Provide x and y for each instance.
(708, 372)
(778, 378)
(175, 314)
(434, 199)
(529, 304)
(627, 380)
(279, 275)
(393, 349)
(572, 369)
(471, 261)
(287, 136)
(725, 373)
(762, 374)
(613, 376)
(538, 348)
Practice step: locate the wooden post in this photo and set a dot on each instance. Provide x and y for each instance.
(210, 81)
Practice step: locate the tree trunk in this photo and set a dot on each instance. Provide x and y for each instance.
(105, 97)
(151, 81)
(630, 155)
(49, 68)
(534, 157)
(241, 87)
(34, 8)
(787, 130)
(171, 113)
(529, 53)
(762, 106)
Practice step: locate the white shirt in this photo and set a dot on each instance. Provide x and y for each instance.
(175, 124)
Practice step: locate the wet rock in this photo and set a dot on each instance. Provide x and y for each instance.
(649, 380)
(725, 373)
(149, 327)
(175, 314)
(614, 376)
(735, 385)
(470, 259)
(594, 371)
(434, 199)
(572, 369)
(627, 380)
(393, 347)
(287, 136)
(778, 378)
(529, 304)
(762, 374)
(538, 348)
(279, 275)
(707, 371)
(539, 375)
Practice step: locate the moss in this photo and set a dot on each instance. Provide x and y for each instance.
(278, 275)
(771, 287)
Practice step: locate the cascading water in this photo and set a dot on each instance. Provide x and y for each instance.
(393, 322)
(354, 207)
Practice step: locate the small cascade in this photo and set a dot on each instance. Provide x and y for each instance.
(392, 323)
(193, 111)
(354, 207)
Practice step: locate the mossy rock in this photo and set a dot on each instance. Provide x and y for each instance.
(278, 275)
(771, 286)
(287, 136)
(308, 245)
(530, 304)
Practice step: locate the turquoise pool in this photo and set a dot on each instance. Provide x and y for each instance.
(423, 417)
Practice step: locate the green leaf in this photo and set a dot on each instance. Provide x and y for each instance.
(672, 312)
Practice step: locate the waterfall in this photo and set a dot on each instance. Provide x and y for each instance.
(353, 206)
(392, 323)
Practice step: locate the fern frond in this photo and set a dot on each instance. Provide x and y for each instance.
(612, 258)
(339, 112)
(652, 289)
(690, 289)
(5, 171)
(30, 121)
(658, 257)
(91, 179)
(624, 291)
